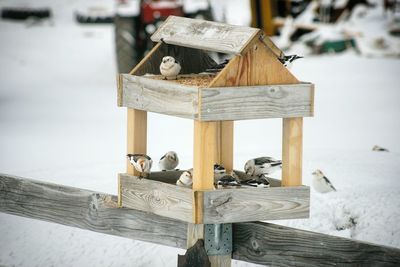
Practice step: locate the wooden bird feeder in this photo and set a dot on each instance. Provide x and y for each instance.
(253, 85)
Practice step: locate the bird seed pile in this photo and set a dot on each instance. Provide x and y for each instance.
(201, 80)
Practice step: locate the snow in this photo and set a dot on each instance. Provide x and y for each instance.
(59, 123)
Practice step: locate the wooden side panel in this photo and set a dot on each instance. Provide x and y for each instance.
(206, 35)
(191, 60)
(257, 102)
(156, 197)
(159, 96)
(252, 204)
(86, 209)
(258, 66)
(275, 245)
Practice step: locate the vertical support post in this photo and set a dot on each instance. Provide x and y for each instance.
(292, 149)
(226, 145)
(206, 143)
(136, 135)
(136, 140)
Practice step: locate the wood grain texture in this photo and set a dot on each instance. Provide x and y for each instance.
(258, 66)
(274, 245)
(136, 136)
(292, 151)
(204, 147)
(253, 204)
(206, 35)
(257, 102)
(159, 96)
(191, 60)
(86, 209)
(156, 197)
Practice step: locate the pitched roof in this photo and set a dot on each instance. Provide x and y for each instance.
(206, 35)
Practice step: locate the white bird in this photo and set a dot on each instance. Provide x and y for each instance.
(262, 165)
(170, 68)
(141, 162)
(186, 179)
(322, 184)
(169, 161)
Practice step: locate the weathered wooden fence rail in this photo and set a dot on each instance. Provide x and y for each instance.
(257, 242)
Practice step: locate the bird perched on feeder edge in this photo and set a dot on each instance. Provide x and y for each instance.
(219, 171)
(170, 68)
(322, 184)
(262, 165)
(227, 180)
(142, 163)
(169, 161)
(186, 179)
(288, 60)
(257, 181)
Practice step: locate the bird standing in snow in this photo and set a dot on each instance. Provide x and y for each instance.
(262, 165)
(380, 149)
(322, 184)
(288, 60)
(186, 179)
(170, 68)
(142, 163)
(169, 161)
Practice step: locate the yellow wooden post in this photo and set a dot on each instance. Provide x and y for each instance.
(136, 136)
(292, 147)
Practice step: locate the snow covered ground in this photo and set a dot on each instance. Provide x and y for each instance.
(59, 123)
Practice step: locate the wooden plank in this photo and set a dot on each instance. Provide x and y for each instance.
(191, 60)
(206, 35)
(86, 209)
(292, 147)
(252, 204)
(256, 242)
(136, 136)
(159, 96)
(275, 245)
(156, 197)
(257, 102)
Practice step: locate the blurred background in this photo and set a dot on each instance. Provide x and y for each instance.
(59, 120)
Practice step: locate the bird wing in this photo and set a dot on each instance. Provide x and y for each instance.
(329, 183)
(263, 160)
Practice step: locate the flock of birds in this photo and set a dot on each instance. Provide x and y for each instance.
(257, 171)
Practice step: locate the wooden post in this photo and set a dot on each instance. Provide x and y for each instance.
(136, 141)
(136, 135)
(292, 146)
(206, 142)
